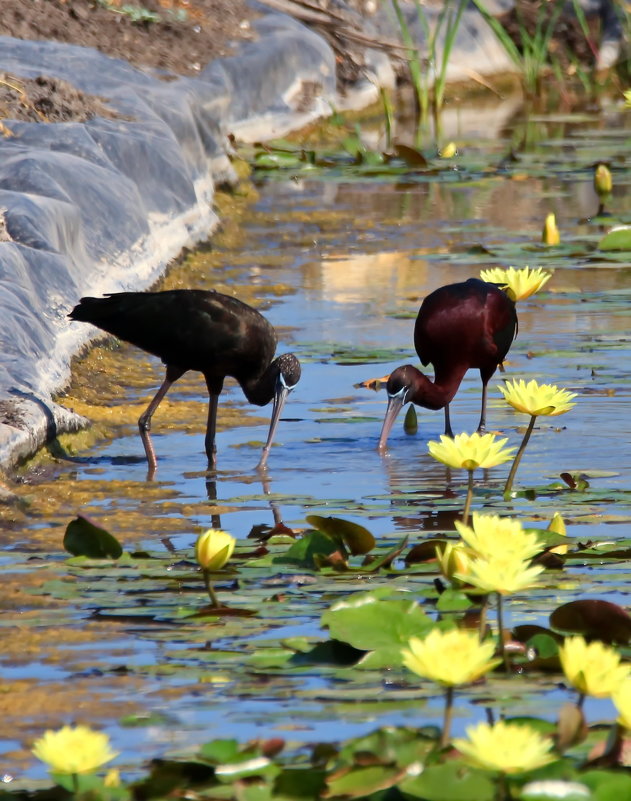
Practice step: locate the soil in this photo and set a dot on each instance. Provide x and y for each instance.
(182, 36)
(174, 36)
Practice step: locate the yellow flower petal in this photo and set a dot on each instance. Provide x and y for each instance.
(469, 451)
(537, 399)
(490, 536)
(450, 657)
(213, 548)
(73, 749)
(622, 699)
(505, 747)
(501, 574)
(592, 668)
(518, 284)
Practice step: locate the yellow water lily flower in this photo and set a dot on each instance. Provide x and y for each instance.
(469, 451)
(491, 536)
(627, 97)
(501, 574)
(537, 399)
(73, 749)
(450, 657)
(622, 700)
(603, 182)
(453, 557)
(592, 668)
(213, 548)
(518, 284)
(550, 234)
(505, 747)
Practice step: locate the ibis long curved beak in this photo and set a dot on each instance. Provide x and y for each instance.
(280, 396)
(395, 404)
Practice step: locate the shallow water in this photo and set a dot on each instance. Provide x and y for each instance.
(341, 266)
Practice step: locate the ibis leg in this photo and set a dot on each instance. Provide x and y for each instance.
(211, 445)
(482, 423)
(448, 431)
(144, 421)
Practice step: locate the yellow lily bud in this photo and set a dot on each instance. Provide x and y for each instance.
(557, 524)
(213, 548)
(454, 558)
(449, 151)
(550, 234)
(603, 182)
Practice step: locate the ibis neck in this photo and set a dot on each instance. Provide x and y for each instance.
(435, 394)
(260, 390)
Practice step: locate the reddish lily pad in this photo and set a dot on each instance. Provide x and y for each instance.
(595, 619)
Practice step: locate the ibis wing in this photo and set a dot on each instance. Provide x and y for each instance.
(191, 329)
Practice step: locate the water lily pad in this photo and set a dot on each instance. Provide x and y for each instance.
(356, 538)
(84, 538)
(617, 239)
(595, 619)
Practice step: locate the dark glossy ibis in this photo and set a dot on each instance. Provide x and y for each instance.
(195, 329)
(459, 326)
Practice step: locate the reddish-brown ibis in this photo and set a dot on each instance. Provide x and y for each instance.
(195, 329)
(459, 326)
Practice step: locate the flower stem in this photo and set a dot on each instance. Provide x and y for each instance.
(449, 700)
(503, 790)
(75, 784)
(520, 453)
(482, 623)
(500, 633)
(209, 588)
(467, 503)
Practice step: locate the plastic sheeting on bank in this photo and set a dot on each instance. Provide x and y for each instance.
(103, 206)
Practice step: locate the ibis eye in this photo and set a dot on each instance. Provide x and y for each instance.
(284, 383)
(400, 395)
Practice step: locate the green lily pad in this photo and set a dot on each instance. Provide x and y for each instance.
(84, 538)
(356, 538)
(617, 239)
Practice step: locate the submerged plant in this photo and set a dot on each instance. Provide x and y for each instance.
(518, 284)
(533, 399)
(213, 549)
(468, 452)
(450, 658)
